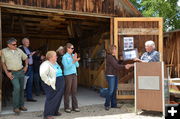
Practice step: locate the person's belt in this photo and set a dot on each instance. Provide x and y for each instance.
(30, 64)
(14, 70)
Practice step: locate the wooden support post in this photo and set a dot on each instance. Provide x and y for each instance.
(161, 38)
(116, 35)
(111, 30)
(0, 64)
(172, 58)
(178, 53)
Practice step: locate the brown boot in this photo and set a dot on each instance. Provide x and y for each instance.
(17, 111)
(23, 108)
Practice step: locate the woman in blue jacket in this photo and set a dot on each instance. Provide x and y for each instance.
(70, 63)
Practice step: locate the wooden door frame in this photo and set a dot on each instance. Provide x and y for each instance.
(0, 62)
(160, 29)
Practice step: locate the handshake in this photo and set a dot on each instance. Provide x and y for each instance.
(137, 60)
(128, 66)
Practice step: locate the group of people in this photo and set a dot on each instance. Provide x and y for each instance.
(58, 81)
(59, 77)
(58, 72)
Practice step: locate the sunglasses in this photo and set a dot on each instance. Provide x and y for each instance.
(72, 48)
(14, 44)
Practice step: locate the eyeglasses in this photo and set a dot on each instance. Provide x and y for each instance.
(14, 44)
(72, 48)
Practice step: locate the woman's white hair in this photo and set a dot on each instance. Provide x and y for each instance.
(150, 43)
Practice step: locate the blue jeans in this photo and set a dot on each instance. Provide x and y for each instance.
(112, 88)
(29, 82)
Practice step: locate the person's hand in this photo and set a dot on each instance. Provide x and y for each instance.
(42, 57)
(75, 56)
(136, 59)
(75, 60)
(32, 53)
(9, 75)
(131, 65)
(128, 66)
(78, 59)
(25, 69)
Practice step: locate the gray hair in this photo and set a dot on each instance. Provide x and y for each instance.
(24, 40)
(60, 48)
(150, 43)
(11, 40)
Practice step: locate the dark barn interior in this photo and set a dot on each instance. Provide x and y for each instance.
(48, 31)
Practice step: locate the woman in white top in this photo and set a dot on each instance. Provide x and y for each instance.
(51, 75)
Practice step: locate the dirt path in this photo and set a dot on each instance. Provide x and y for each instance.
(91, 112)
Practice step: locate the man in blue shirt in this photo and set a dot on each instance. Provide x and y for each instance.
(151, 55)
(25, 48)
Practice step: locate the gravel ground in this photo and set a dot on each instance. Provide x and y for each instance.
(92, 112)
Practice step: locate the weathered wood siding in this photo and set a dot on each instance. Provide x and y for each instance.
(106, 7)
(93, 6)
(171, 49)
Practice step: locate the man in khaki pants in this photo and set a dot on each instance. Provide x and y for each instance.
(12, 64)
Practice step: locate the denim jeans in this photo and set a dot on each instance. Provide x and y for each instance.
(29, 82)
(112, 88)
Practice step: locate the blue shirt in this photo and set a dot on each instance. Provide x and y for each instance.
(58, 70)
(69, 66)
(30, 59)
(150, 56)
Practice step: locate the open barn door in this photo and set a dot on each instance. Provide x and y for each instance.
(140, 30)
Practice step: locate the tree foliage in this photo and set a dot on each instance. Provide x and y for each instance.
(168, 9)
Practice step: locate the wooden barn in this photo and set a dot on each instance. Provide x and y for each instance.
(171, 49)
(91, 25)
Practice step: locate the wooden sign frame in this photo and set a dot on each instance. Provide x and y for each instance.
(149, 99)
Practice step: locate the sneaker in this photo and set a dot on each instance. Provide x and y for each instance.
(68, 110)
(76, 110)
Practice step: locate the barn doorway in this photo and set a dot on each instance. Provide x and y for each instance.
(47, 31)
